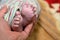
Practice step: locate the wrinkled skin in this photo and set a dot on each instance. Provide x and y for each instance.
(24, 17)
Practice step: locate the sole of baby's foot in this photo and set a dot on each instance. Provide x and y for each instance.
(28, 10)
(17, 22)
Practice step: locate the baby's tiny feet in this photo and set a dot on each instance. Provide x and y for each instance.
(17, 22)
(28, 10)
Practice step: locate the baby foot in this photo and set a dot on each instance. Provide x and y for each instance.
(28, 11)
(17, 22)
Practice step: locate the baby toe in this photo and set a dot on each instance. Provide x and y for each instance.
(33, 8)
(16, 19)
(15, 26)
(17, 13)
(20, 18)
(16, 22)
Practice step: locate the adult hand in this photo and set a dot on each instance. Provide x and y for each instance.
(5, 30)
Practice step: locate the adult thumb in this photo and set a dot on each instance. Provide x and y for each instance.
(3, 11)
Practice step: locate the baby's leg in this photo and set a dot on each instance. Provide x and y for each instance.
(17, 22)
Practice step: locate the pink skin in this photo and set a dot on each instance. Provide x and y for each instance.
(17, 21)
(23, 18)
(28, 11)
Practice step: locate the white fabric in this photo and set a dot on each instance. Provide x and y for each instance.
(15, 4)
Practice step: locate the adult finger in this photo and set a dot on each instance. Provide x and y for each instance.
(27, 30)
(3, 11)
